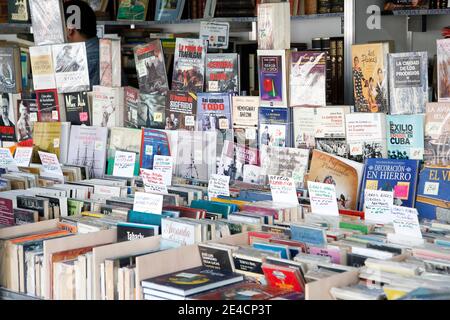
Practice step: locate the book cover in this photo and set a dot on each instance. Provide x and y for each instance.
(169, 10)
(132, 10)
(304, 124)
(214, 111)
(132, 102)
(18, 11)
(88, 148)
(46, 138)
(6, 212)
(131, 232)
(216, 258)
(10, 74)
(24, 216)
(71, 67)
(110, 63)
(399, 176)
(243, 291)
(151, 68)
(154, 142)
(222, 72)
(443, 69)
(370, 79)
(7, 136)
(181, 110)
(42, 66)
(48, 105)
(107, 107)
(27, 111)
(408, 82)
(189, 65)
(344, 174)
(126, 140)
(406, 136)
(274, 127)
(433, 191)
(437, 133)
(77, 108)
(274, 26)
(308, 78)
(245, 112)
(283, 277)
(47, 19)
(184, 233)
(272, 78)
(330, 122)
(152, 111)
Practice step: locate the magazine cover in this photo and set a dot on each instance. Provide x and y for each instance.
(42, 66)
(132, 101)
(406, 136)
(189, 65)
(27, 112)
(126, 140)
(151, 68)
(245, 112)
(437, 134)
(88, 148)
(152, 111)
(181, 110)
(48, 106)
(304, 127)
(443, 69)
(369, 77)
(308, 78)
(47, 19)
(71, 67)
(214, 111)
(222, 72)
(274, 127)
(408, 82)
(272, 78)
(169, 10)
(154, 142)
(77, 108)
(134, 10)
(395, 175)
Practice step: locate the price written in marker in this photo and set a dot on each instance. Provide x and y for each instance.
(323, 198)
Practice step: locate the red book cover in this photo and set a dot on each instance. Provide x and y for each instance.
(186, 212)
(262, 211)
(48, 105)
(6, 212)
(283, 278)
(258, 235)
(352, 213)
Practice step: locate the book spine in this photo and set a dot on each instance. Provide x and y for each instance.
(340, 70)
(334, 75)
(310, 7)
(323, 6)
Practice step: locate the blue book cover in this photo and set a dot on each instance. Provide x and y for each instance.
(274, 124)
(154, 142)
(395, 175)
(405, 136)
(169, 10)
(309, 235)
(433, 192)
(146, 218)
(283, 250)
(214, 111)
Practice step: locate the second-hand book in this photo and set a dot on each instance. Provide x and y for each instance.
(110, 63)
(48, 104)
(405, 136)
(370, 80)
(443, 69)
(273, 78)
(42, 66)
(308, 78)
(154, 143)
(18, 11)
(71, 67)
(131, 105)
(132, 10)
(10, 73)
(245, 112)
(437, 133)
(151, 68)
(169, 10)
(152, 111)
(408, 82)
(47, 19)
(77, 108)
(181, 111)
(222, 72)
(274, 127)
(27, 112)
(108, 107)
(274, 26)
(189, 65)
(46, 138)
(214, 111)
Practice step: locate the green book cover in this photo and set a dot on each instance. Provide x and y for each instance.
(135, 10)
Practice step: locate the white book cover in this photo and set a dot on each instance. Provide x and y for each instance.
(330, 122)
(304, 127)
(274, 26)
(366, 134)
(181, 232)
(443, 61)
(42, 66)
(71, 67)
(107, 109)
(47, 19)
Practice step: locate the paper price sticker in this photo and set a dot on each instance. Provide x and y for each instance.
(416, 153)
(56, 143)
(55, 115)
(356, 149)
(99, 145)
(224, 124)
(158, 117)
(189, 121)
(84, 116)
(33, 117)
(431, 188)
(148, 150)
(213, 86)
(250, 134)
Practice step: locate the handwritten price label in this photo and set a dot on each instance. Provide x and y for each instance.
(148, 203)
(50, 164)
(219, 186)
(406, 222)
(323, 198)
(124, 163)
(378, 206)
(283, 189)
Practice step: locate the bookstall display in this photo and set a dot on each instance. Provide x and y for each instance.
(195, 173)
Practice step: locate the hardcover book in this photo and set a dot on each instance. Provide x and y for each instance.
(408, 82)
(47, 19)
(18, 11)
(154, 142)
(443, 69)
(110, 63)
(132, 104)
(28, 114)
(48, 105)
(126, 140)
(273, 78)
(274, 127)
(189, 65)
(181, 110)
(10, 73)
(24, 216)
(274, 26)
(308, 78)
(345, 174)
(42, 66)
(108, 107)
(77, 108)
(169, 10)
(399, 176)
(152, 111)
(222, 72)
(71, 67)
(437, 133)
(151, 68)
(370, 79)
(245, 112)
(406, 137)
(132, 10)
(214, 111)
(88, 149)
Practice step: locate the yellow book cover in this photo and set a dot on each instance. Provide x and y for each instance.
(46, 138)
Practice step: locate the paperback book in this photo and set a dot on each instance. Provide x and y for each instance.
(42, 66)
(108, 107)
(77, 108)
(274, 127)
(273, 78)
(304, 124)
(154, 142)
(443, 69)
(18, 11)
(274, 26)
(132, 10)
(49, 109)
(214, 111)
(46, 138)
(10, 73)
(152, 111)
(125, 140)
(27, 112)
(437, 133)
(181, 110)
(222, 72)
(245, 112)
(47, 19)
(110, 63)
(406, 137)
(132, 104)
(169, 10)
